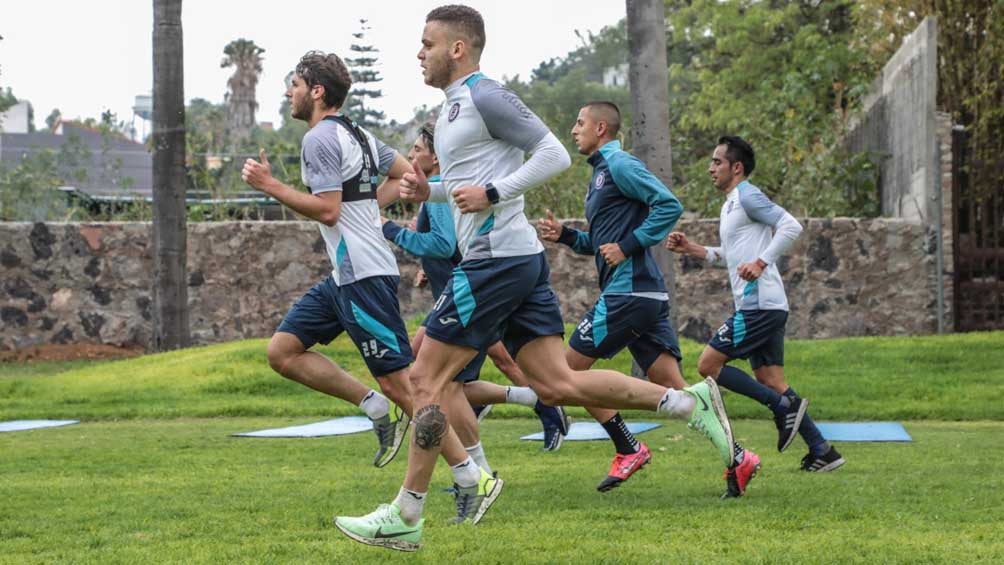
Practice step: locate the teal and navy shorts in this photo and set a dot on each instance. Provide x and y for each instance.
(508, 298)
(621, 320)
(757, 335)
(367, 309)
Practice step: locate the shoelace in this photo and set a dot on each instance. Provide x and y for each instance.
(464, 501)
(380, 516)
(699, 426)
(385, 434)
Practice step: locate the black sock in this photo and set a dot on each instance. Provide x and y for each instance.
(623, 439)
(737, 381)
(809, 432)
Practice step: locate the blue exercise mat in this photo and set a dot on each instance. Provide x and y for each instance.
(587, 431)
(19, 425)
(336, 427)
(864, 431)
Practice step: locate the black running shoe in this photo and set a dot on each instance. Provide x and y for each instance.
(555, 423)
(822, 463)
(787, 424)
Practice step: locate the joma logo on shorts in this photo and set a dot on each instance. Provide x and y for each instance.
(371, 349)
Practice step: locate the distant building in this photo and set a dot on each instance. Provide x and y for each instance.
(16, 118)
(117, 167)
(616, 77)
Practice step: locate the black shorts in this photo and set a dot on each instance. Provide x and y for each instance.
(757, 335)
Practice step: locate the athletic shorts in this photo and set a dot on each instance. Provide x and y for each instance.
(367, 309)
(619, 321)
(757, 335)
(488, 299)
(472, 371)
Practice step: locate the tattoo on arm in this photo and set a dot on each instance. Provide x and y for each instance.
(430, 427)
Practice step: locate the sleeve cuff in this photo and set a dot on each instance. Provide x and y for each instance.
(390, 231)
(567, 236)
(629, 245)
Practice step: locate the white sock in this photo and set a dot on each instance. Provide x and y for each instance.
(410, 503)
(375, 405)
(477, 452)
(520, 395)
(677, 403)
(466, 474)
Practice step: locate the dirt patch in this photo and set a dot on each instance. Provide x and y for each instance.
(69, 352)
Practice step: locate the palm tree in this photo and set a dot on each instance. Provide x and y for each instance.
(170, 292)
(245, 57)
(649, 83)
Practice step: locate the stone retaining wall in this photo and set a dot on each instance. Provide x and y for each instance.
(66, 283)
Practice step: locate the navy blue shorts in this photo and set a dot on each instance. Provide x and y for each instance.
(619, 321)
(472, 371)
(367, 309)
(757, 335)
(488, 299)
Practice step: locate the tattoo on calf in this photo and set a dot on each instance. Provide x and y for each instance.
(430, 427)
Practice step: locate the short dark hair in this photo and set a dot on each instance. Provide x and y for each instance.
(738, 150)
(327, 70)
(608, 112)
(428, 134)
(464, 20)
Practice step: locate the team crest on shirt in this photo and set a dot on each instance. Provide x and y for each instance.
(454, 110)
(728, 209)
(600, 178)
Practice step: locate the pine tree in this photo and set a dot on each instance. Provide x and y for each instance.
(364, 73)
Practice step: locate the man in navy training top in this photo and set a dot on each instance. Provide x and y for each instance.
(625, 205)
(502, 285)
(754, 233)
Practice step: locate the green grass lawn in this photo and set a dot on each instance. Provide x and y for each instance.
(183, 491)
(956, 377)
(153, 476)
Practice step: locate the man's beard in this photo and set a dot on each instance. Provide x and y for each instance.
(302, 113)
(441, 79)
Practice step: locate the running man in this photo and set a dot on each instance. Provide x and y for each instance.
(754, 233)
(628, 209)
(340, 167)
(502, 286)
(434, 241)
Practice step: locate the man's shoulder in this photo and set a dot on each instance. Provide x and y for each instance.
(621, 163)
(323, 132)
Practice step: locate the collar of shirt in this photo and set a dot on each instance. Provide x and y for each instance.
(604, 150)
(457, 84)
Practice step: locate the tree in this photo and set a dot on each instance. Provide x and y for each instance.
(969, 87)
(786, 76)
(363, 69)
(245, 57)
(649, 84)
(170, 292)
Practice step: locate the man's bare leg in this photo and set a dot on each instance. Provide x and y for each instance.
(556, 383)
(465, 423)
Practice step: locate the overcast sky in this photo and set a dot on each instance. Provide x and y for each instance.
(87, 56)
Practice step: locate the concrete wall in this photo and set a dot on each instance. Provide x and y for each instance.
(899, 124)
(65, 283)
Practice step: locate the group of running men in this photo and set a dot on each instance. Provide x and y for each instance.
(485, 264)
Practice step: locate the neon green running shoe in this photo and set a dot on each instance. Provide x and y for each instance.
(472, 502)
(710, 419)
(383, 527)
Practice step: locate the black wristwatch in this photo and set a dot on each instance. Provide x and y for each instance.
(492, 193)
